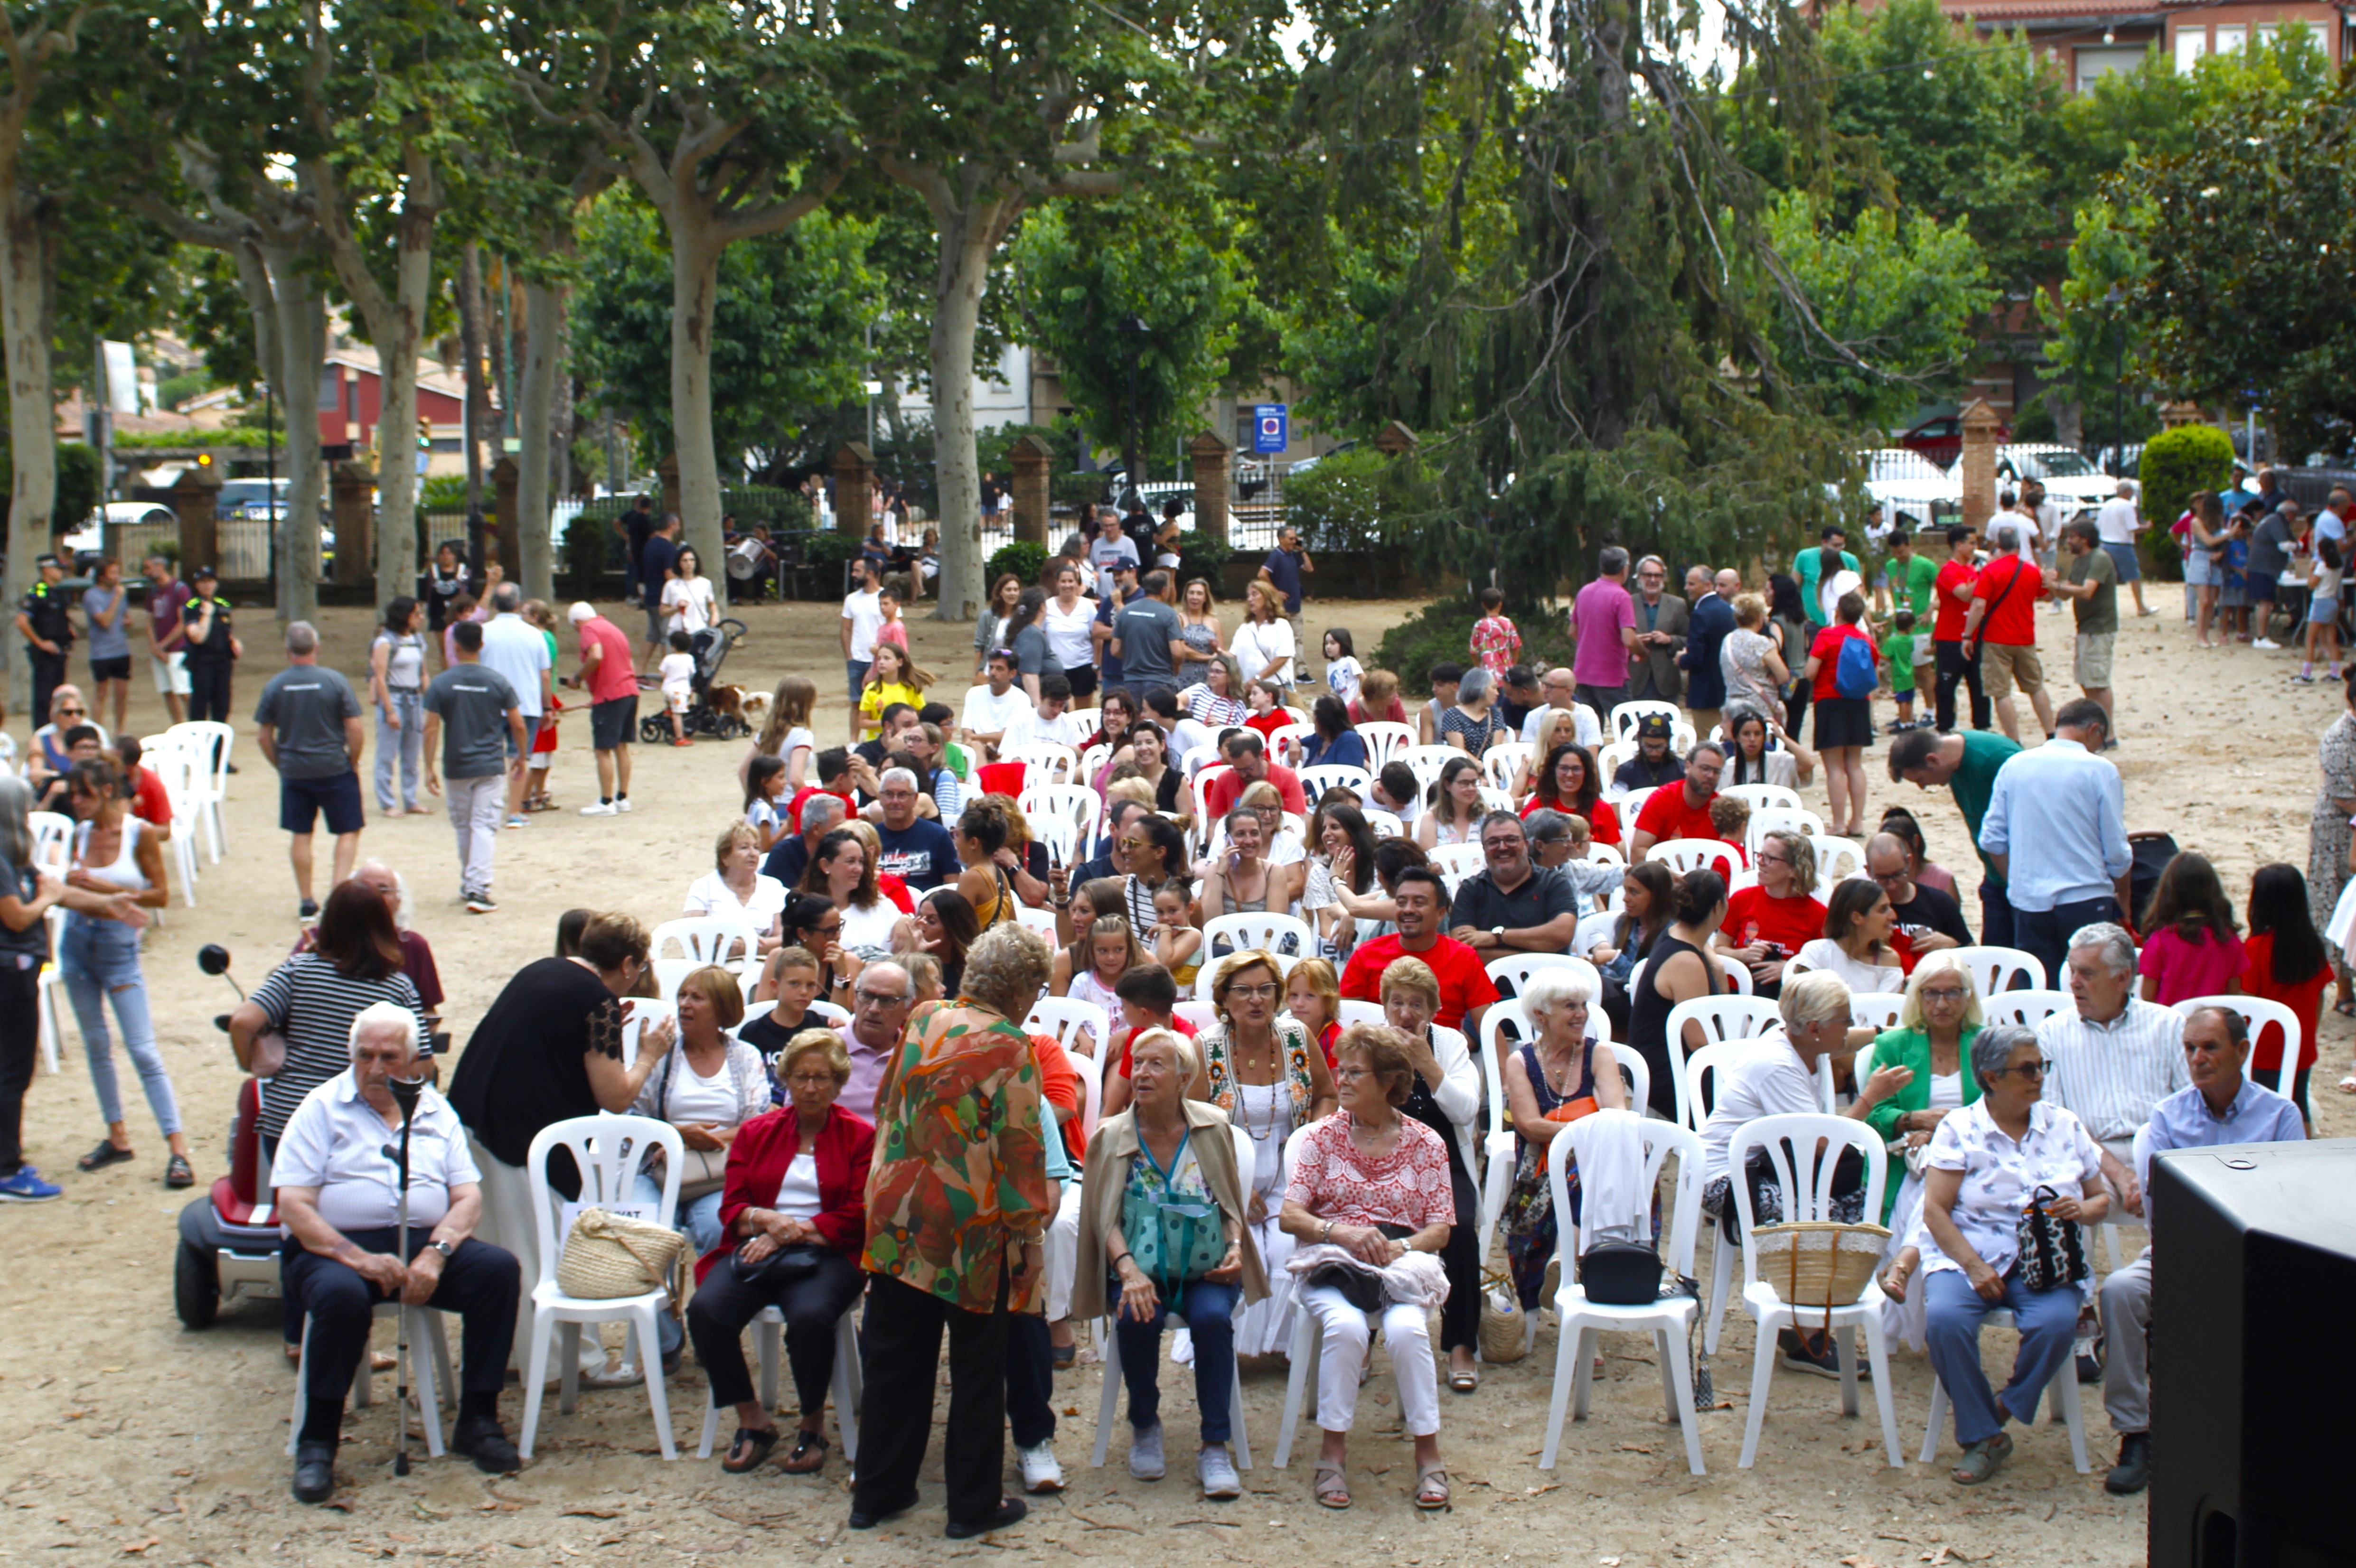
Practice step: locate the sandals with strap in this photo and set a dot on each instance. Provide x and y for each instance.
(749, 1449)
(809, 1456)
(1431, 1487)
(1329, 1487)
(1981, 1460)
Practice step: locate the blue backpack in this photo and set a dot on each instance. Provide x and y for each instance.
(1854, 675)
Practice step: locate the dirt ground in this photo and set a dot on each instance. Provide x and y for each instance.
(139, 1440)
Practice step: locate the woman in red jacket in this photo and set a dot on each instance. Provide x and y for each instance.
(793, 1218)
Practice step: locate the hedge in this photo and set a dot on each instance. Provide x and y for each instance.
(2176, 462)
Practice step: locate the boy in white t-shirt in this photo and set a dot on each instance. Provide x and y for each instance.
(677, 674)
(992, 709)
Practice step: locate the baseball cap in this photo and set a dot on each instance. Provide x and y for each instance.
(202, 572)
(580, 611)
(1654, 727)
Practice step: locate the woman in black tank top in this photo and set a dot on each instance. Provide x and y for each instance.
(1680, 970)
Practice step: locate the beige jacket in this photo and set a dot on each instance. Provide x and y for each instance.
(1105, 1181)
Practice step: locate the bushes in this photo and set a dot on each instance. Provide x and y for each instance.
(2176, 462)
(1352, 501)
(1442, 632)
(1023, 558)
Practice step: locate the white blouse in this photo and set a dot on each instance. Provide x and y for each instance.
(710, 894)
(1069, 635)
(1825, 954)
(1255, 642)
(2000, 1176)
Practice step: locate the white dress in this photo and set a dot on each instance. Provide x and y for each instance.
(1265, 1110)
(1910, 1319)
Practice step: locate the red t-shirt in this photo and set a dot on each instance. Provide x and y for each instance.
(1752, 916)
(1602, 821)
(149, 801)
(1825, 651)
(2013, 621)
(801, 797)
(1464, 982)
(614, 676)
(1666, 815)
(1060, 1086)
(1181, 1024)
(1395, 714)
(2304, 999)
(1948, 625)
(1269, 722)
(1230, 787)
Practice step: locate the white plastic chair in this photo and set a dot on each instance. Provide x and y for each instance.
(50, 989)
(209, 741)
(2256, 1013)
(1426, 762)
(1044, 762)
(1461, 860)
(1041, 921)
(1108, 1401)
(1604, 854)
(1074, 804)
(1385, 740)
(1204, 825)
(174, 768)
(1503, 761)
(1765, 796)
(1383, 825)
(1997, 969)
(1302, 1354)
(1067, 1019)
(727, 939)
(2025, 1007)
(1495, 799)
(430, 1355)
(1838, 860)
(1626, 715)
(847, 1388)
(1061, 839)
(1286, 741)
(1631, 806)
(1351, 1012)
(1668, 1320)
(1608, 760)
(609, 1150)
(831, 1013)
(1513, 972)
(1805, 1178)
(2062, 1393)
(1738, 974)
(1202, 1015)
(1685, 854)
(53, 837)
(1500, 1144)
(1267, 931)
(1093, 759)
(1780, 818)
(1316, 781)
(1875, 1011)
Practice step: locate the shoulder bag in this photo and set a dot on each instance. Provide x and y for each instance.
(1972, 648)
(2053, 1252)
(1172, 1239)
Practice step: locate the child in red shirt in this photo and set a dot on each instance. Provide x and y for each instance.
(2191, 948)
(2287, 963)
(1495, 643)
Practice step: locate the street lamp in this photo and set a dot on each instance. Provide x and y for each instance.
(2116, 299)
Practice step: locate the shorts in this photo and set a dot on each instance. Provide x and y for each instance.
(2004, 665)
(301, 802)
(854, 672)
(655, 629)
(2260, 587)
(116, 668)
(171, 673)
(2091, 665)
(679, 699)
(1083, 677)
(2320, 612)
(1844, 722)
(531, 734)
(2197, 570)
(611, 723)
(2123, 556)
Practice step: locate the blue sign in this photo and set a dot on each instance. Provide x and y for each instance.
(1269, 431)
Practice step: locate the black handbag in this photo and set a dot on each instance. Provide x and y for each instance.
(782, 1266)
(2052, 1251)
(1621, 1273)
(1359, 1286)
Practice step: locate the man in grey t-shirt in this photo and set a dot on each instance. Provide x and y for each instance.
(1145, 635)
(476, 712)
(310, 731)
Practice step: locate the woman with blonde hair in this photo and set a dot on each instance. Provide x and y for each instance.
(786, 733)
(1755, 672)
(1198, 631)
(735, 885)
(1937, 1023)
(1443, 1092)
(1264, 645)
(1242, 880)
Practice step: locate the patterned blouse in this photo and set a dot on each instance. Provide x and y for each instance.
(1291, 1044)
(960, 1173)
(2000, 1176)
(1410, 1185)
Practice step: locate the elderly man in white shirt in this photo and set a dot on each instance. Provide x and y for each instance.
(338, 1189)
(2116, 1057)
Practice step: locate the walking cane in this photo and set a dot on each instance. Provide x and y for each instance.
(405, 1092)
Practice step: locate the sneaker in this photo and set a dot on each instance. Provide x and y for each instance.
(1145, 1461)
(1041, 1470)
(1215, 1468)
(481, 904)
(603, 809)
(1822, 1359)
(307, 910)
(2305, 678)
(621, 803)
(27, 1186)
(683, 740)
(519, 822)
(2269, 645)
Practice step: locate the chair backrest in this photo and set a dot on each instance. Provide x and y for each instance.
(1426, 762)
(1384, 739)
(1204, 825)
(1994, 969)
(1802, 1170)
(1460, 860)
(1316, 781)
(2256, 1013)
(1197, 758)
(53, 837)
(1200, 1014)
(1838, 860)
(1492, 1041)
(1594, 928)
(1287, 740)
(1359, 1013)
(209, 740)
(608, 1151)
(1093, 759)
(1247, 1160)
(1384, 826)
(1685, 854)
(1630, 807)
(1877, 1009)
(1765, 796)
(1092, 1071)
(1501, 762)
(1660, 1141)
(1625, 716)
(1737, 975)
(1690, 1076)
(1076, 804)
(1604, 854)
(2025, 1007)
(1270, 932)
(1793, 818)
(1041, 921)
(1513, 972)
(1061, 839)
(637, 1012)
(1630, 1061)
(1047, 763)
(707, 939)
(1065, 1019)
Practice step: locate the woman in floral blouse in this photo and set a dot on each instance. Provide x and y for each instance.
(957, 1208)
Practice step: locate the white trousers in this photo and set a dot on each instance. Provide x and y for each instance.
(507, 1222)
(478, 810)
(1345, 1333)
(1063, 1253)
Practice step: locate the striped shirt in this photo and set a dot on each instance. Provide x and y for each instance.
(2112, 1074)
(312, 1003)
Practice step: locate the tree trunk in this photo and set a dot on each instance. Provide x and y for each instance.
(32, 495)
(398, 326)
(967, 240)
(544, 364)
(695, 283)
(301, 334)
(561, 412)
(470, 347)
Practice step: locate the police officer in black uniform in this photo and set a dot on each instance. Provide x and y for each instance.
(213, 648)
(48, 634)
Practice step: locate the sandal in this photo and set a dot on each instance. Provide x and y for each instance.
(749, 1449)
(1329, 1489)
(103, 1155)
(2346, 1010)
(2348, 1084)
(1431, 1487)
(1893, 1283)
(1463, 1382)
(1981, 1460)
(178, 1172)
(808, 1455)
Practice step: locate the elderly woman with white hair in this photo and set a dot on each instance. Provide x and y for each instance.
(1164, 1169)
(1472, 725)
(340, 1197)
(1549, 1081)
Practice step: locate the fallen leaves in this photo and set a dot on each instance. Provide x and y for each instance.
(590, 1510)
(139, 1548)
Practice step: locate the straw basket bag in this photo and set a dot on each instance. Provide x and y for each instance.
(1504, 1331)
(608, 1255)
(1818, 1263)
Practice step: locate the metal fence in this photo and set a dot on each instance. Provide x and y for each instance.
(241, 546)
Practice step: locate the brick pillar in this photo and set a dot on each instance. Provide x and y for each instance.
(196, 498)
(347, 498)
(1034, 462)
(2174, 414)
(508, 547)
(1395, 440)
(1211, 485)
(854, 485)
(1979, 463)
(668, 469)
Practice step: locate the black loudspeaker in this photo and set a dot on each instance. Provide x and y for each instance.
(2253, 1397)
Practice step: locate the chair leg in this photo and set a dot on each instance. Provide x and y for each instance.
(568, 1345)
(1763, 1379)
(1938, 1416)
(1297, 1381)
(2066, 1394)
(52, 1033)
(1107, 1402)
(441, 1338)
(849, 1386)
(535, 1378)
(302, 1389)
(1845, 1352)
(1566, 1363)
(1668, 1384)
(423, 1329)
(1881, 1395)
(1722, 1281)
(1673, 1354)
(1582, 1385)
(1242, 1437)
(643, 1320)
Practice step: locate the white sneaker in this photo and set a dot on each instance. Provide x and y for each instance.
(1215, 1468)
(1041, 1472)
(1145, 1460)
(621, 802)
(2269, 645)
(603, 809)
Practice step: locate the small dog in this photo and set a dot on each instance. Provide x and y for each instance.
(732, 701)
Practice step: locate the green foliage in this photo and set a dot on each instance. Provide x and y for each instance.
(77, 484)
(442, 492)
(1359, 500)
(785, 334)
(2178, 462)
(831, 548)
(1020, 557)
(588, 540)
(1898, 298)
(2034, 421)
(1442, 633)
(174, 391)
(228, 435)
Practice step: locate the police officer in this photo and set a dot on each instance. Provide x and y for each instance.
(213, 647)
(47, 630)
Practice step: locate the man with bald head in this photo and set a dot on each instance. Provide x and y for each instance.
(1709, 621)
(1926, 918)
(416, 952)
(881, 1000)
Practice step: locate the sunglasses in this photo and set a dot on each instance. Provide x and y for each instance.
(2026, 1069)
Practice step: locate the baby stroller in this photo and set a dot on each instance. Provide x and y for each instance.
(710, 651)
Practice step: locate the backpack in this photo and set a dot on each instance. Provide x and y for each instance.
(1854, 675)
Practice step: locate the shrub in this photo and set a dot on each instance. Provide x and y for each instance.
(2176, 462)
(1023, 558)
(1355, 499)
(589, 539)
(442, 492)
(1442, 633)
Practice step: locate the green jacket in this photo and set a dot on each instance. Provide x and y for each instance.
(1910, 1048)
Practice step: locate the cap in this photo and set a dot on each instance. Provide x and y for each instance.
(49, 560)
(580, 611)
(1653, 726)
(202, 572)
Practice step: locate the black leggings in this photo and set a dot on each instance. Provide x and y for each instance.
(20, 1032)
(209, 690)
(812, 1304)
(1460, 1319)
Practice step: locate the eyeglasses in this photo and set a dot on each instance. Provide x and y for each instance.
(1350, 1074)
(1764, 858)
(810, 1080)
(2026, 1069)
(1263, 992)
(1946, 996)
(1888, 878)
(867, 998)
(71, 712)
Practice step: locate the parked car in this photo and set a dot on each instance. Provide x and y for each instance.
(1940, 437)
(253, 497)
(2071, 483)
(83, 548)
(1909, 491)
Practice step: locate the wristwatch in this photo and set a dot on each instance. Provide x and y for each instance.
(1497, 934)
(444, 1248)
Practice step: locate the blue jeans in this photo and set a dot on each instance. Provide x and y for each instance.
(408, 743)
(99, 960)
(2046, 932)
(855, 676)
(2048, 1321)
(696, 1219)
(1209, 1310)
